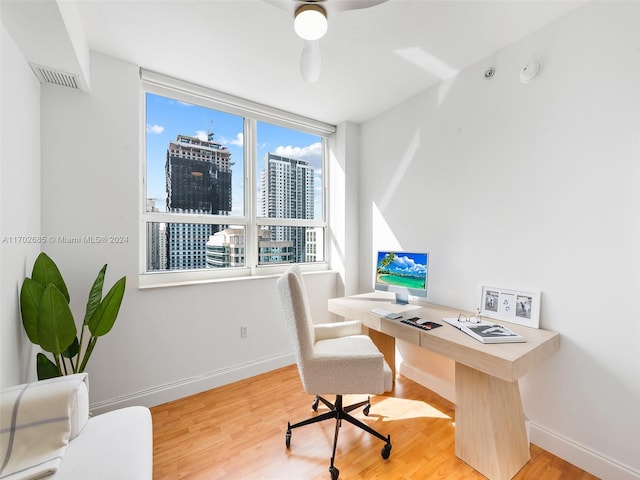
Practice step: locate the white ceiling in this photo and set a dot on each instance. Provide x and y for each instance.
(372, 58)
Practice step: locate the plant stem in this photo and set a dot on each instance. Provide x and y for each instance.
(82, 330)
(87, 354)
(56, 357)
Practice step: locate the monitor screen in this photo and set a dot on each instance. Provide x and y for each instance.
(402, 273)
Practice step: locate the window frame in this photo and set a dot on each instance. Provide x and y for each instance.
(252, 113)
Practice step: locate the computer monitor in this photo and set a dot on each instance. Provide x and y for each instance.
(402, 273)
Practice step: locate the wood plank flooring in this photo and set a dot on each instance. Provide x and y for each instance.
(238, 432)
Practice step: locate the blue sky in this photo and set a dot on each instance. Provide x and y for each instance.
(167, 118)
(407, 263)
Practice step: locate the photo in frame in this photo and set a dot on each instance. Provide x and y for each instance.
(521, 307)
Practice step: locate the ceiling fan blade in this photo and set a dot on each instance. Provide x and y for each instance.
(330, 6)
(337, 6)
(286, 5)
(311, 57)
(310, 61)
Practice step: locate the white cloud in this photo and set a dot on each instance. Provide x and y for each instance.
(155, 128)
(311, 152)
(202, 135)
(239, 141)
(408, 265)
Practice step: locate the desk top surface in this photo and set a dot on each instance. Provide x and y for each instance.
(508, 361)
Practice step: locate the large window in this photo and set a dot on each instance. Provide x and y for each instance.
(231, 188)
(290, 210)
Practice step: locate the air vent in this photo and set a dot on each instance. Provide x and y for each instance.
(50, 76)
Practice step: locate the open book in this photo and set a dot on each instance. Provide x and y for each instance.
(486, 332)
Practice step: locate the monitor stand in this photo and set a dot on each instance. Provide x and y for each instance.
(401, 298)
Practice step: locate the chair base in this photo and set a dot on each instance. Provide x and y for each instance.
(339, 413)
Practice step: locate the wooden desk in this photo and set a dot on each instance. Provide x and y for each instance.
(490, 426)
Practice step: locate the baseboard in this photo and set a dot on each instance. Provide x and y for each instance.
(581, 456)
(442, 387)
(190, 386)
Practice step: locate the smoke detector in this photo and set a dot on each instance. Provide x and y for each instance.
(530, 71)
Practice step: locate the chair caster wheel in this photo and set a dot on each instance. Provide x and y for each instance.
(334, 473)
(366, 410)
(386, 451)
(314, 405)
(287, 440)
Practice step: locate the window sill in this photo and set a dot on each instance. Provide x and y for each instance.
(202, 277)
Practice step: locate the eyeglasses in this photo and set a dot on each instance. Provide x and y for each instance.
(470, 318)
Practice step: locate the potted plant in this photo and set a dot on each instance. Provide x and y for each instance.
(48, 321)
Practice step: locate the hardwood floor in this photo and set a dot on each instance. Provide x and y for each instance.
(238, 432)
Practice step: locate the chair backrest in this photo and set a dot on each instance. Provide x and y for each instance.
(297, 315)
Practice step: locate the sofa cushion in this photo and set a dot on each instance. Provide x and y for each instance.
(114, 445)
(37, 421)
(79, 411)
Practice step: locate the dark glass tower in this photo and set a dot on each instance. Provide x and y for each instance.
(198, 175)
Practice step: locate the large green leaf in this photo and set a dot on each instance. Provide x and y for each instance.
(72, 350)
(95, 295)
(56, 328)
(45, 271)
(30, 297)
(87, 354)
(105, 315)
(46, 368)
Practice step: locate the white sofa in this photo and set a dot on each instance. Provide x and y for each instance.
(46, 429)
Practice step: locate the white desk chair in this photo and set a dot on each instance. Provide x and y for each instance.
(333, 359)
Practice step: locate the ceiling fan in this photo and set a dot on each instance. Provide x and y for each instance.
(310, 21)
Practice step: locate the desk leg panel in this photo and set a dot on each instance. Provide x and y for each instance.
(387, 346)
(490, 426)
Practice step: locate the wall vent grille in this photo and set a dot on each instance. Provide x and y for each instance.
(50, 76)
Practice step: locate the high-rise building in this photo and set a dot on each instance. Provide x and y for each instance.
(287, 190)
(198, 180)
(314, 247)
(153, 239)
(226, 248)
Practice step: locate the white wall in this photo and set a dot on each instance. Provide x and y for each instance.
(167, 342)
(19, 203)
(343, 218)
(532, 186)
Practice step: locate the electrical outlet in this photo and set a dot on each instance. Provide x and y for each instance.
(244, 331)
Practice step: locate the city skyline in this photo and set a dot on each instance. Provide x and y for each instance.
(190, 170)
(168, 118)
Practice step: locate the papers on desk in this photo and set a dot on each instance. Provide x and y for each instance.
(486, 332)
(386, 314)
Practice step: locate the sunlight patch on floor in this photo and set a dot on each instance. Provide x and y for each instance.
(392, 408)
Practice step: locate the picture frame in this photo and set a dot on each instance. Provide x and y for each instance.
(515, 306)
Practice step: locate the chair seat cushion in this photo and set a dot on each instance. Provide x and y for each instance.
(348, 354)
(353, 345)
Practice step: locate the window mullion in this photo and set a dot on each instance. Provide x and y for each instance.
(170, 217)
(290, 222)
(174, 234)
(251, 191)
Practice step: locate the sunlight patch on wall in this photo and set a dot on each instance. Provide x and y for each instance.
(432, 65)
(427, 62)
(397, 173)
(338, 189)
(383, 237)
